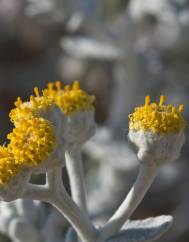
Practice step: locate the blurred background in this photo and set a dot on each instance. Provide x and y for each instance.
(120, 51)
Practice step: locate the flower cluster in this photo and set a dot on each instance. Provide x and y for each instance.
(38, 132)
(53, 126)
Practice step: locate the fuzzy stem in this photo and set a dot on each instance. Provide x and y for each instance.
(146, 176)
(55, 194)
(36, 192)
(74, 167)
(79, 220)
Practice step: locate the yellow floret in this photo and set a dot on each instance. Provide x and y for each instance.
(31, 141)
(157, 118)
(36, 105)
(8, 167)
(71, 99)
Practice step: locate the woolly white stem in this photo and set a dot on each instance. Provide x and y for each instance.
(54, 180)
(55, 194)
(36, 192)
(144, 180)
(79, 220)
(74, 167)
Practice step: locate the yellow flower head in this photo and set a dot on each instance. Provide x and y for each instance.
(71, 99)
(8, 167)
(31, 141)
(25, 110)
(157, 118)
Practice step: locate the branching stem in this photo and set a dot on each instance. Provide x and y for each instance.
(55, 194)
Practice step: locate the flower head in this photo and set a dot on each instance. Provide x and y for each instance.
(157, 130)
(46, 124)
(157, 118)
(78, 108)
(71, 99)
(32, 141)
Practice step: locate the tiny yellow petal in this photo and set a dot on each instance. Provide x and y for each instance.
(76, 85)
(58, 85)
(18, 102)
(147, 100)
(36, 91)
(67, 88)
(50, 85)
(161, 100)
(181, 108)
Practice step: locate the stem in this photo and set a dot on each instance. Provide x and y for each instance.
(143, 182)
(74, 167)
(36, 192)
(54, 180)
(55, 194)
(74, 215)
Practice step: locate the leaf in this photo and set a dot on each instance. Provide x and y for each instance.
(71, 236)
(145, 230)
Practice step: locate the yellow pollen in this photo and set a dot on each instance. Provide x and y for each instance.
(36, 91)
(31, 141)
(157, 118)
(8, 167)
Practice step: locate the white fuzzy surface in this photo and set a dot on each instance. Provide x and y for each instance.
(156, 147)
(15, 188)
(80, 128)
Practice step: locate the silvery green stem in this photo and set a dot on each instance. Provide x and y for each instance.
(74, 167)
(146, 175)
(55, 194)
